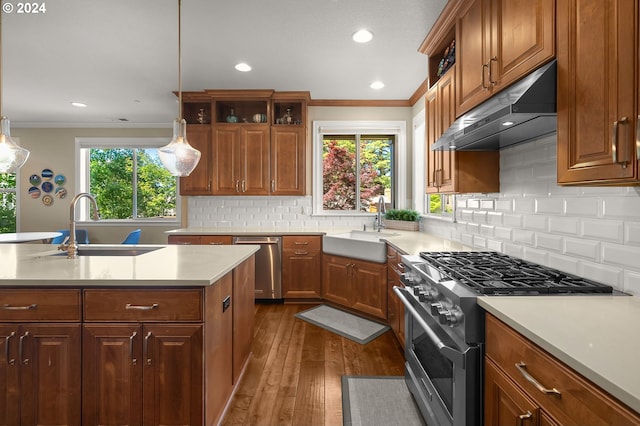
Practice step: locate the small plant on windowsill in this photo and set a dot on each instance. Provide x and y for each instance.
(405, 219)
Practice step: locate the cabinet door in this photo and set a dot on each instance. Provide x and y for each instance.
(432, 158)
(473, 44)
(504, 403)
(255, 161)
(50, 374)
(336, 279)
(9, 375)
(112, 374)
(369, 291)
(288, 161)
(446, 175)
(302, 274)
(597, 66)
(199, 181)
(227, 161)
(523, 38)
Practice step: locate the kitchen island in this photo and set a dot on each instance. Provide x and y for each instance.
(143, 338)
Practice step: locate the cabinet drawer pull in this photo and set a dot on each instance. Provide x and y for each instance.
(614, 141)
(146, 347)
(273, 185)
(638, 138)
(301, 253)
(523, 417)
(24, 361)
(491, 82)
(7, 340)
(216, 243)
(8, 307)
(129, 306)
(237, 186)
(134, 361)
(301, 243)
(244, 186)
(484, 66)
(522, 368)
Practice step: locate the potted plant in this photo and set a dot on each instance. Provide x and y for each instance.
(405, 219)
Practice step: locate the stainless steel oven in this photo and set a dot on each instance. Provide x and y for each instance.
(444, 326)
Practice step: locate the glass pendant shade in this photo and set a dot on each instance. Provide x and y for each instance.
(178, 156)
(12, 156)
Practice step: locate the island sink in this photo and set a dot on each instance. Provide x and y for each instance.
(88, 250)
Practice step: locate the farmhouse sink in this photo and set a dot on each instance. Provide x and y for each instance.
(363, 245)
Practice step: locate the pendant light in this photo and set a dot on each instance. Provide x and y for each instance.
(12, 156)
(178, 156)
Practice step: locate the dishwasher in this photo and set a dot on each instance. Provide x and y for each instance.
(268, 265)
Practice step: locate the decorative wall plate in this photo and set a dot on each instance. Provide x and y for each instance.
(47, 200)
(60, 180)
(61, 192)
(47, 174)
(47, 186)
(35, 180)
(34, 192)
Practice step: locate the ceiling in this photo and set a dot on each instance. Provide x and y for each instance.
(120, 57)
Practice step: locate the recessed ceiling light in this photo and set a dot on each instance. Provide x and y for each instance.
(243, 67)
(362, 36)
(507, 123)
(377, 85)
(79, 104)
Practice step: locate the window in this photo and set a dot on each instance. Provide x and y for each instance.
(127, 179)
(7, 202)
(355, 165)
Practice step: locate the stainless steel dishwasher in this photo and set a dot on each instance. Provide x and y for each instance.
(268, 265)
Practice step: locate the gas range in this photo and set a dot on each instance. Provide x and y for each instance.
(444, 325)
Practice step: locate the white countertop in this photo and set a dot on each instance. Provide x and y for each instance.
(598, 336)
(410, 242)
(42, 265)
(20, 237)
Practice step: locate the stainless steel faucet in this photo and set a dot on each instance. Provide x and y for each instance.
(377, 224)
(71, 245)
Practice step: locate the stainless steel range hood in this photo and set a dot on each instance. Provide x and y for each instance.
(524, 111)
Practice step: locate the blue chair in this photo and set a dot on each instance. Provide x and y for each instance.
(133, 237)
(82, 236)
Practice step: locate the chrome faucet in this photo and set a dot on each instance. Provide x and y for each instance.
(377, 223)
(70, 244)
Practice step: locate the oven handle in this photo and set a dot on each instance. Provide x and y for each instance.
(448, 352)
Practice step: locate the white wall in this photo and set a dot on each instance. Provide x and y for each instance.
(593, 232)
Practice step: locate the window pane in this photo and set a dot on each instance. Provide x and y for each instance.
(7, 202)
(111, 181)
(339, 178)
(156, 195)
(440, 204)
(375, 171)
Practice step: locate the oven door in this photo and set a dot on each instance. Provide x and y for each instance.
(444, 377)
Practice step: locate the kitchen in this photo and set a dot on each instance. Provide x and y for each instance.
(590, 231)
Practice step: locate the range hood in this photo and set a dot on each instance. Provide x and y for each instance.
(524, 111)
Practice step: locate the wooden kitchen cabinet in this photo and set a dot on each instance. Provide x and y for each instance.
(200, 180)
(357, 284)
(395, 308)
(288, 160)
(598, 64)
(214, 240)
(511, 396)
(142, 357)
(302, 266)
(241, 159)
(40, 366)
(497, 43)
(454, 171)
(243, 313)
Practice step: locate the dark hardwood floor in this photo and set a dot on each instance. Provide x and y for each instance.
(293, 377)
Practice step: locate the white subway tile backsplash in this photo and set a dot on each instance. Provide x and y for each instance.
(524, 205)
(512, 220)
(549, 242)
(504, 205)
(536, 256)
(632, 233)
(617, 254)
(563, 225)
(503, 232)
(523, 237)
(581, 206)
(473, 204)
(563, 263)
(494, 245)
(606, 230)
(602, 274)
(494, 218)
(548, 206)
(588, 249)
(535, 222)
(631, 283)
(621, 207)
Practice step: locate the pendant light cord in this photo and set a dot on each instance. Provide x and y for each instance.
(179, 60)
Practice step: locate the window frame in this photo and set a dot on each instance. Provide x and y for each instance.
(379, 127)
(83, 177)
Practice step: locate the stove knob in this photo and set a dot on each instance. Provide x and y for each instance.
(436, 308)
(429, 294)
(450, 317)
(417, 290)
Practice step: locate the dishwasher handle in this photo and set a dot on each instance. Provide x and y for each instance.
(256, 240)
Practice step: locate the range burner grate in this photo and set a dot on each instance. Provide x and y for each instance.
(497, 273)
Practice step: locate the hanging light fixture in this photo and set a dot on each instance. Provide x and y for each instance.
(178, 156)
(12, 156)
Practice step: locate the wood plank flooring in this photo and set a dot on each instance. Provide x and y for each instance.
(293, 377)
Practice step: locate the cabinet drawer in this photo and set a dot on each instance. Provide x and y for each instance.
(580, 402)
(184, 239)
(216, 240)
(40, 305)
(143, 305)
(302, 242)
